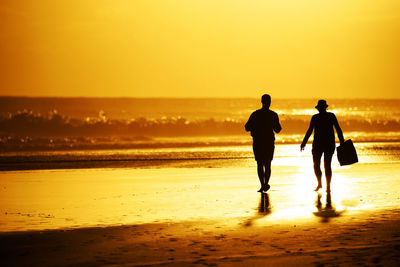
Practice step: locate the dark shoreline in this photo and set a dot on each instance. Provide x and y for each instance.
(95, 164)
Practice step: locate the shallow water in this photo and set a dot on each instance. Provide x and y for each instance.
(182, 157)
(198, 189)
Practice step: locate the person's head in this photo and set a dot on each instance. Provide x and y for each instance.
(321, 106)
(266, 100)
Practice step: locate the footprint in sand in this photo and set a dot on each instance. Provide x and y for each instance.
(283, 232)
(218, 237)
(276, 246)
(201, 261)
(376, 260)
(194, 242)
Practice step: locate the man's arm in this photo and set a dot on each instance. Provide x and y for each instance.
(277, 126)
(338, 129)
(249, 124)
(308, 134)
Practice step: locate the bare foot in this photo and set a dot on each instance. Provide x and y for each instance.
(266, 187)
(318, 187)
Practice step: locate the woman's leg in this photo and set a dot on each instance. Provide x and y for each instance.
(317, 167)
(328, 170)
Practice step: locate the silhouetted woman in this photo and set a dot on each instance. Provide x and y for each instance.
(324, 141)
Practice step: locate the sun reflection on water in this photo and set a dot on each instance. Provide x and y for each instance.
(89, 197)
(296, 199)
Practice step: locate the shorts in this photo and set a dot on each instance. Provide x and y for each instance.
(263, 150)
(328, 151)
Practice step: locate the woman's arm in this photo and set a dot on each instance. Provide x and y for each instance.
(338, 129)
(308, 134)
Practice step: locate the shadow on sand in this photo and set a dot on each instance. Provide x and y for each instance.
(264, 209)
(327, 212)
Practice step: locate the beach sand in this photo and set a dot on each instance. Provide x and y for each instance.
(200, 216)
(367, 240)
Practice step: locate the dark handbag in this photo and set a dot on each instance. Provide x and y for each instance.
(347, 153)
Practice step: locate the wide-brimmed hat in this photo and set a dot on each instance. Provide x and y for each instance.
(321, 104)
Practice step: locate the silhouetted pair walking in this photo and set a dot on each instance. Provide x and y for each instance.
(264, 123)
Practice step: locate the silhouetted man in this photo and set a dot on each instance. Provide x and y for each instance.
(262, 124)
(324, 141)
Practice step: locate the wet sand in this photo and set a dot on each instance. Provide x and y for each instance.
(200, 216)
(76, 198)
(368, 240)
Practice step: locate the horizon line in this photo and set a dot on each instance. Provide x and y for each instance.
(198, 97)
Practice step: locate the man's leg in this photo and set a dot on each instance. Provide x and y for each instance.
(261, 174)
(328, 170)
(267, 165)
(317, 167)
(267, 174)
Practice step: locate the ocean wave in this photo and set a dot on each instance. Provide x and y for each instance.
(28, 123)
(27, 130)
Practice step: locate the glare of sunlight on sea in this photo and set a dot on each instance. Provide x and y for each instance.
(91, 197)
(307, 111)
(295, 199)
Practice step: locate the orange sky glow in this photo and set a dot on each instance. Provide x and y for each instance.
(208, 48)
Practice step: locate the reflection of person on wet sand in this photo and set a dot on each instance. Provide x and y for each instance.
(262, 124)
(324, 141)
(327, 212)
(264, 209)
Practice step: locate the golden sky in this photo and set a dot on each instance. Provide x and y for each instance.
(200, 48)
